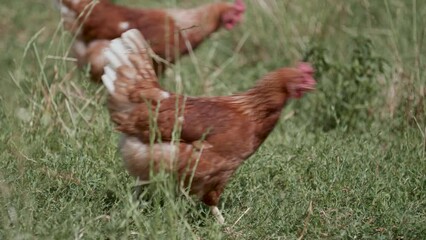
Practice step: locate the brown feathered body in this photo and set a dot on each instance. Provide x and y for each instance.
(171, 33)
(216, 134)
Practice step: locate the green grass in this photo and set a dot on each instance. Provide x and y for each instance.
(348, 161)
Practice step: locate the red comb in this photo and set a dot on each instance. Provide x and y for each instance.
(305, 67)
(239, 5)
(309, 82)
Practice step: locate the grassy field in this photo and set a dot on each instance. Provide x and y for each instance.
(346, 162)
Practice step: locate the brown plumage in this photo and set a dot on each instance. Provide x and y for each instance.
(170, 32)
(216, 133)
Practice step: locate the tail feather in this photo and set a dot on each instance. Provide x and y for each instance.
(129, 75)
(108, 78)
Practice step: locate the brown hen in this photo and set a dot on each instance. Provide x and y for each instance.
(170, 32)
(216, 133)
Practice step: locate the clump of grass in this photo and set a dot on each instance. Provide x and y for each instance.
(347, 91)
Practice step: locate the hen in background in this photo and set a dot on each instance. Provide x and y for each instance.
(170, 32)
(216, 133)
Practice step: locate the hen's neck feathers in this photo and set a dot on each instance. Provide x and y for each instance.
(265, 99)
(198, 23)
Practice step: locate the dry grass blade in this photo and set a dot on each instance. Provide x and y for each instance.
(306, 222)
(242, 215)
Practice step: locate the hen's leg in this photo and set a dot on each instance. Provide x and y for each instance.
(212, 199)
(217, 214)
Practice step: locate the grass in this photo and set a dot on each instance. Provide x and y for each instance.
(346, 162)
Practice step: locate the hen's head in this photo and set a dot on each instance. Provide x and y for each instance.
(299, 80)
(233, 15)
